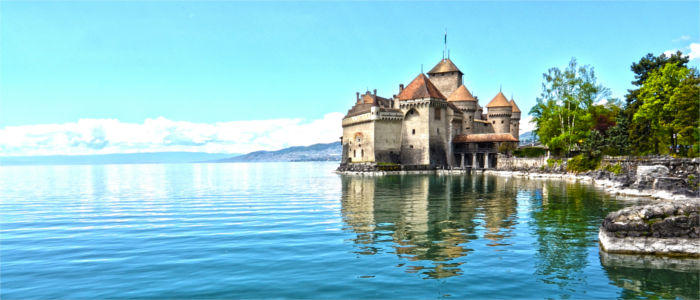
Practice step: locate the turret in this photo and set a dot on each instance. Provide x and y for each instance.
(464, 100)
(515, 120)
(499, 113)
(446, 76)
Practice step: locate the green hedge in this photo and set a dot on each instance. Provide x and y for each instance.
(582, 163)
(529, 152)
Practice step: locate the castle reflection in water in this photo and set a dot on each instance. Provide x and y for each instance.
(429, 220)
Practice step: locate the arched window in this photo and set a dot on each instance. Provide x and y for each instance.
(414, 132)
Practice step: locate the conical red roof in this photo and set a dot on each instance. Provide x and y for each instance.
(499, 101)
(461, 94)
(420, 87)
(515, 107)
(444, 66)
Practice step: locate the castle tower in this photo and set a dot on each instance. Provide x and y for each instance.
(515, 120)
(464, 100)
(446, 76)
(425, 124)
(499, 113)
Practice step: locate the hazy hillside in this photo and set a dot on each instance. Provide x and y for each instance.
(528, 138)
(121, 158)
(315, 152)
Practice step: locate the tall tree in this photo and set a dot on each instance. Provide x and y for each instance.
(640, 131)
(670, 103)
(563, 113)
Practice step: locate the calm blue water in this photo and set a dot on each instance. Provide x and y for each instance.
(297, 230)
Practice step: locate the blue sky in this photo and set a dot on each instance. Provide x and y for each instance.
(208, 63)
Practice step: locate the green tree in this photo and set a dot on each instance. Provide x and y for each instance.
(640, 131)
(669, 103)
(564, 111)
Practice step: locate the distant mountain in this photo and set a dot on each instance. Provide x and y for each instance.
(121, 158)
(529, 138)
(315, 152)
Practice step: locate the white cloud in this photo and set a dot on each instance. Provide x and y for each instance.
(694, 51)
(526, 124)
(101, 136)
(668, 53)
(682, 38)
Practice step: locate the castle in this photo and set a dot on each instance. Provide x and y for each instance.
(433, 122)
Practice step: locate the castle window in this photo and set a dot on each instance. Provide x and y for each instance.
(501, 121)
(494, 122)
(411, 146)
(470, 118)
(354, 153)
(414, 132)
(437, 114)
(362, 153)
(438, 130)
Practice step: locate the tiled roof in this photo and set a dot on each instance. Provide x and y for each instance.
(420, 87)
(515, 107)
(461, 94)
(444, 66)
(499, 101)
(487, 137)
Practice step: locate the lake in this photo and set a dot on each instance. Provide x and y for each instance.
(298, 230)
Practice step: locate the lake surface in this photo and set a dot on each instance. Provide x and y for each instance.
(297, 230)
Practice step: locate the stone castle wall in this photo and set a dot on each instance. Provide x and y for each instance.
(414, 145)
(447, 83)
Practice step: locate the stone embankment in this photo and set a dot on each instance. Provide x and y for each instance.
(669, 228)
(661, 177)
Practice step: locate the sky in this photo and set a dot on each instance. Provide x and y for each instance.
(91, 77)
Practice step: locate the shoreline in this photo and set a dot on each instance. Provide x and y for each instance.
(609, 186)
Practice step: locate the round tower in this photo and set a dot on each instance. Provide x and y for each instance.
(515, 120)
(499, 113)
(464, 100)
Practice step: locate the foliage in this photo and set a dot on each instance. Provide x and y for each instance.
(530, 152)
(593, 144)
(564, 111)
(551, 162)
(639, 132)
(506, 148)
(670, 103)
(582, 163)
(615, 169)
(617, 141)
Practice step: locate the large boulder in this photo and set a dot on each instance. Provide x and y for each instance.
(665, 228)
(646, 175)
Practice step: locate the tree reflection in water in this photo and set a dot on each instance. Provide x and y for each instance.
(429, 220)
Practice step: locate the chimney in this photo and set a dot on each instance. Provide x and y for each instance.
(357, 96)
(375, 92)
(400, 87)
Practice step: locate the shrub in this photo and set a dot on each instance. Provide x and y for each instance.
(506, 148)
(582, 163)
(529, 152)
(616, 169)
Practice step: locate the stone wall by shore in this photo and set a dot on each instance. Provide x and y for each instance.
(647, 175)
(668, 228)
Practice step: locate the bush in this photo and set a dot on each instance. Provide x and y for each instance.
(506, 148)
(582, 163)
(551, 162)
(529, 152)
(616, 169)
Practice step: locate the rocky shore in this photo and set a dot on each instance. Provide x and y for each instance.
(668, 228)
(659, 177)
